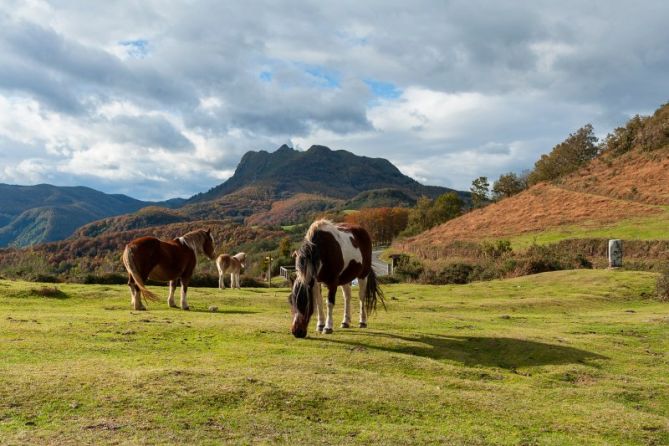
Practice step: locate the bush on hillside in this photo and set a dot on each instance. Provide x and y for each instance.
(544, 258)
(508, 185)
(430, 213)
(454, 273)
(408, 269)
(495, 249)
(567, 157)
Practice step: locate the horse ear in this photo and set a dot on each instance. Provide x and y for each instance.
(208, 230)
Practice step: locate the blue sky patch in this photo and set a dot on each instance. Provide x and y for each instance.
(383, 90)
(265, 76)
(138, 48)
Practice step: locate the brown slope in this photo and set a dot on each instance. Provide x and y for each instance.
(637, 176)
(542, 207)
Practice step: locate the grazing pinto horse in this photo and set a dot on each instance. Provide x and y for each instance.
(333, 255)
(173, 261)
(232, 264)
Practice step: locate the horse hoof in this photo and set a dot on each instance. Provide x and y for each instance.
(172, 305)
(345, 325)
(319, 328)
(363, 325)
(185, 308)
(328, 331)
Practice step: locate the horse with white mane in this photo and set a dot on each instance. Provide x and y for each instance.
(170, 261)
(232, 264)
(333, 255)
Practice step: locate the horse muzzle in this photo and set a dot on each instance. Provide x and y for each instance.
(299, 328)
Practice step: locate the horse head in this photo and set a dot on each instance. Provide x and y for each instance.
(301, 296)
(241, 256)
(208, 245)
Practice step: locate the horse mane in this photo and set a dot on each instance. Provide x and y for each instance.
(240, 256)
(307, 260)
(194, 240)
(315, 226)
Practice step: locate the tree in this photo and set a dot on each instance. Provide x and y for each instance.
(507, 185)
(568, 156)
(429, 213)
(383, 224)
(284, 247)
(445, 207)
(480, 192)
(623, 139)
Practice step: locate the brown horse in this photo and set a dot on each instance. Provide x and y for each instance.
(174, 261)
(232, 264)
(333, 255)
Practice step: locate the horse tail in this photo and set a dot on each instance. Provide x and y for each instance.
(129, 263)
(373, 293)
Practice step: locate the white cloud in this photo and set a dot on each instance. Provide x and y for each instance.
(162, 98)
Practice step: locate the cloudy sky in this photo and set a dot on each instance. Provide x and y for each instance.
(157, 99)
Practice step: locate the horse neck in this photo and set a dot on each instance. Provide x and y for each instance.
(193, 241)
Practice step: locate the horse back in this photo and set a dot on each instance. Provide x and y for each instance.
(223, 262)
(338, 267)
(169, 258)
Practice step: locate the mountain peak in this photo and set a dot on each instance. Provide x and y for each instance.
(319, 170)
(285, 148)
(319, 149)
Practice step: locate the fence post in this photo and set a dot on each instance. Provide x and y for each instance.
(615, 253)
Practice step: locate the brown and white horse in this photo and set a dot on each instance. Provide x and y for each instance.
(333, 255)
(174, 261)
(232, 264)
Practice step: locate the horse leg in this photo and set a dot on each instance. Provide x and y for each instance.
(346, 289)
(318, 301)
(237, 280)
(332, 292)
(362, 283)
(221, 282)
(170, 296)
(184, 290)
(135, 296)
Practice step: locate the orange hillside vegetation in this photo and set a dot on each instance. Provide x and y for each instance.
(636, 176)
(541, 207)
(293, 210)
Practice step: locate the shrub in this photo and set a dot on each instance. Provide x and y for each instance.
(540, 259)
(408, 268)
(495, 249)
(456, 273)
(387, 280)
(103, 279)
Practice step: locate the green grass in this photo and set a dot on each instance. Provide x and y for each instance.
(571, 357)
(647, 228)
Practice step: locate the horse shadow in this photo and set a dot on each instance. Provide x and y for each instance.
(506, 353)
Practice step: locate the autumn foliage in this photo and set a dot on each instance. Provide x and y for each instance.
(383, 224)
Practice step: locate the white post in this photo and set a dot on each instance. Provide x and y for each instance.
(615, 253)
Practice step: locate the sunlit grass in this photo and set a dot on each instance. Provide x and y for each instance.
(646, 228)
(572, 357)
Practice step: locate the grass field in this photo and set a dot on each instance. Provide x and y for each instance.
(571, 357)
(643, 228)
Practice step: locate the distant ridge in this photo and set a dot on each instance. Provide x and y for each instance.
(319, 170)
(44, 213)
